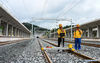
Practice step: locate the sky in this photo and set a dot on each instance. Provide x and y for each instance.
(80, 11)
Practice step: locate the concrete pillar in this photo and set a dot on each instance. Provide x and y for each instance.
(98, 31)
(25, 35)
(68, 34)
(84, 34)
(18, 32)
(90, 33)
(0, 21)
(12, 31)
(7, 29)
(22, 34)
(15, 32)
(0, 30)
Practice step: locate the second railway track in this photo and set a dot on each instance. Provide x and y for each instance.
(86, 44)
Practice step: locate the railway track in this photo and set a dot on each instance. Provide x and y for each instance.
(75, 53)
(45, 53)
(86, 44)
(10, 42)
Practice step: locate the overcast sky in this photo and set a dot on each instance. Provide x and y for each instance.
(80, 11)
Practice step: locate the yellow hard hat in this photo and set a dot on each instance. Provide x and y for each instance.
(70, 46)
(77, 25)
(60, 25)
(42, 48)
(73, 49)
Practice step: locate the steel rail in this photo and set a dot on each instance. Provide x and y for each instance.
(45, 53)
(75, 53)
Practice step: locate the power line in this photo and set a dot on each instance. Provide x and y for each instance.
(65, 9)
(25, 7)
(69, 9)
(44, 8)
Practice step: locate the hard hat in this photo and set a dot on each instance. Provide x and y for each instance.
(42, 48)
(60, 25)
(70, 46)
(73, 49)
(77, 25)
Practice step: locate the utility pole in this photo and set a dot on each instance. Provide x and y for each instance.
(50, 32)
(54, 33)
(71, 30)
(55, 30)
(32, 30)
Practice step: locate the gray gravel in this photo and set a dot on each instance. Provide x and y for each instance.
(10, 52)
(23, 52)
(93, 52)
(32, 54)
(61, 57)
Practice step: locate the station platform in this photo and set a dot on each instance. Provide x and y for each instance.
(6, 39)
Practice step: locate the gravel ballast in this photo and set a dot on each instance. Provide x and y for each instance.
(23, 52)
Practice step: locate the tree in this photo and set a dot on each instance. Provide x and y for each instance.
(37, 28)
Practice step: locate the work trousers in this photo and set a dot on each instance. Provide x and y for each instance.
(78, 43)
(60, 40)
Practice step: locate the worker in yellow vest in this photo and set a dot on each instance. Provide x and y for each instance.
(61, 35)
(77, 37)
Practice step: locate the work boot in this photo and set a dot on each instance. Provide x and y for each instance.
(59, 51)
(63, 50)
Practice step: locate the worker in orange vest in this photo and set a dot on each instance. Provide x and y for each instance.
(77, 37)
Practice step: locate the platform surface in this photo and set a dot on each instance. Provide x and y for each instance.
(5, 39)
